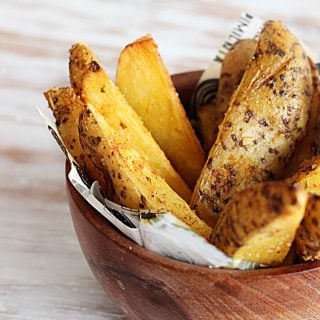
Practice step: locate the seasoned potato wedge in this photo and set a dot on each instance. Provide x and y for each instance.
(145, 82)
(309, 146)
(134, 183)
(308, 175)
(66, 108)
(308, 235)
(268, 113)
(259, 223)
(93, 84)
(232, 70)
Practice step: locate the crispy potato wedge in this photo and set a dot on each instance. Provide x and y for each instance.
(259, 223)
(309, 146)
(232, 70)
(66, 108)
(93, 84)
(268, 113)
(308, 235)
(134, 183)
(308, 175)
(145, 82)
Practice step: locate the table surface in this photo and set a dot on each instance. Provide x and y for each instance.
(43, 274)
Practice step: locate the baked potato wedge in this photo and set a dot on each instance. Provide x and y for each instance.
(93, 84)
(66, 108)
(309, 146)
(259, 223)
(308, 235)
(308, 175)
(134, 183)
(268, 113)
(146, 84)
(232, 70)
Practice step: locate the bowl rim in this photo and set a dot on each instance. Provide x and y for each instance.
(102, 225)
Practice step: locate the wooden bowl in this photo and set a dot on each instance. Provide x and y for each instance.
(145, 285)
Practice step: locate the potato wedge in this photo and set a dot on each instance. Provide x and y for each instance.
(268, 113)
(232, 70)
(308, 175)
(146, 84)
(309, 146)
(134, 183)
(308, 234)
(66, 108)
(259, 223)
(93, 84)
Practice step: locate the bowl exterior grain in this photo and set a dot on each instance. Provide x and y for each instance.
(147, 286)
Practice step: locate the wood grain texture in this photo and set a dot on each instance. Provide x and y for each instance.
(43, 274)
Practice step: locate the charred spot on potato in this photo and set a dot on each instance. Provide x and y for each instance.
(102, 90)
(282, 77)
(209, 163)
(315, 221)
(273, 150)
(248, 115)
(262, 160)
(228, 124)
(263, 122)
(224, 146)
(273, 49)
(231, 169)
(276, 203)
(234, 137)
(282, 93)
(123, 194)
(94, 141)
(94, 66)
(122, 125)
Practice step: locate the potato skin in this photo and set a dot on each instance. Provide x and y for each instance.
(134, 183)
(94, 86)
(267, 115)
(308, 175)
(309, 145)
(259, 223)
(146, 84)
(308, 235)
(232, 70)
(66, 108)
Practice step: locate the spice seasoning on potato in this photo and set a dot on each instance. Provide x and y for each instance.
(308, 234)
(66, 108)
(232, 70)
(267, 115)
(94, 86)
(309, 145)
(259, 223)
(146, 84)
(134, 183)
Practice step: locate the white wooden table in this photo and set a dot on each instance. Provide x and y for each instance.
(43, 274)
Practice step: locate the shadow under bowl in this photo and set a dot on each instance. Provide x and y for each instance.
(145, 285)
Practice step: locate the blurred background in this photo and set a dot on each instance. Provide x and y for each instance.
(43, 274)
